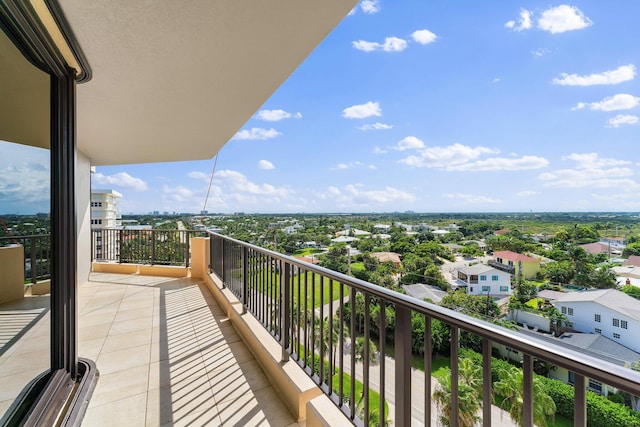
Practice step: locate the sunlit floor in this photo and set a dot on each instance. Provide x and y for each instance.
(167, 355)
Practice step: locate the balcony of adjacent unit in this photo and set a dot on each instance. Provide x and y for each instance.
(234, 334)
(503, 267)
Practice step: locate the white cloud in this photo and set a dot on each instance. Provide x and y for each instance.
(372, 167)
(471, 199)
(526, 193)
(496, 80)
(593, 161)
(256, 134)
(622, 119)
(563, 18)
(409, 143)
(540, 52)
(375, 126)
(446, 157)
(276, 115)
(370, 6)
(391, 44)
(502, 164)
(621, 74)
(351, 195)
(620, 101)
(25, 186)
(266, 165)
(239, 183)
(523, 22)
(120, 179)
(378, 150)
(592, 171)
(423, 36)
(362, 111)
(199, 175)
(342, 166)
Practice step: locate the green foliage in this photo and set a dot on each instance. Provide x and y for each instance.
(631, 249)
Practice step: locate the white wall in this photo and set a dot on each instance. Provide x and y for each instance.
(83, 216)
(504, 279)
(531, 319)
(583, 320)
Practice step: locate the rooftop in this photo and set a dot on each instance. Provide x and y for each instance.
(514, 256)
(610, 298)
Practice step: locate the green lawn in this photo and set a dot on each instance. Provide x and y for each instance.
(560, 421)
(308, 285)
(374, 396)
(307, 252)
(357, 266)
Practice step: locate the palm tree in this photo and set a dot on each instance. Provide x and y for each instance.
(510, 389)
(468, 402)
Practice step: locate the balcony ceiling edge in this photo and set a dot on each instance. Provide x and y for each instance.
(175, 81)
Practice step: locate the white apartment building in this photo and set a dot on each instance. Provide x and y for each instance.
(482, 279)
(104, 209)
(609, 312)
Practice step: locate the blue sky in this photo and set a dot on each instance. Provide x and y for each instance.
(435, 106)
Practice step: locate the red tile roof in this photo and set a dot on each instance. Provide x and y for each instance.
(513, 256)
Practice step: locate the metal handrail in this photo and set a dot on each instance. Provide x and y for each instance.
(582, 365)
(38, 255)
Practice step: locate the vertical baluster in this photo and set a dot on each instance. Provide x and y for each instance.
(352, 334)
(527, 390)
(403, 366)
(381, 348)
(579, 401)
(455, 342)
(341, 347)
(428, 354)
(486, 382)
(366, 357)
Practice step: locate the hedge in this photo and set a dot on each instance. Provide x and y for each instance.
(600, 410)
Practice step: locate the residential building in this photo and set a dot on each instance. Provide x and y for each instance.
(482, 279)
(590, 344)
(104, 209)
(388, 256)
(600, 248)
(609, 312)
(633, 260)
(515, 264)
(425, 292)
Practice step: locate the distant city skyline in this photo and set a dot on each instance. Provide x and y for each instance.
(421, 106)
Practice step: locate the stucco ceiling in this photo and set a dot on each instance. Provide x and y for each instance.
(174, 80)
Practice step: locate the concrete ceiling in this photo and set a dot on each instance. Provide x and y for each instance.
(175, 80)
(24, 98)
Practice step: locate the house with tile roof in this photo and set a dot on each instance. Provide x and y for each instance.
(513, 263)
(383, 257)
(482, 279)
(608, 312)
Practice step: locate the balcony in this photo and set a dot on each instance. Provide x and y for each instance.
(166, 352)
(503, 267)
(249, 341)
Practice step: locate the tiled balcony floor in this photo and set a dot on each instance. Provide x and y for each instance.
(167, 355)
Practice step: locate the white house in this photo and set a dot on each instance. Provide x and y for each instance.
(482, 279)
(609, 312)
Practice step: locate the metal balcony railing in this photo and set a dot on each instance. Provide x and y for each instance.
(312, 312)
(37, 255)
(153, 247)
(503, 267)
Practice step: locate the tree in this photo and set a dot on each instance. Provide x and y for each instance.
(359, 350)
(510, 387)
(469, 402)
(604, 278)
(471, 250)
(631, 290)
(558, 272)
(631, 249)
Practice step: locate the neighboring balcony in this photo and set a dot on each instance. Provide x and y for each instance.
(503, 267)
